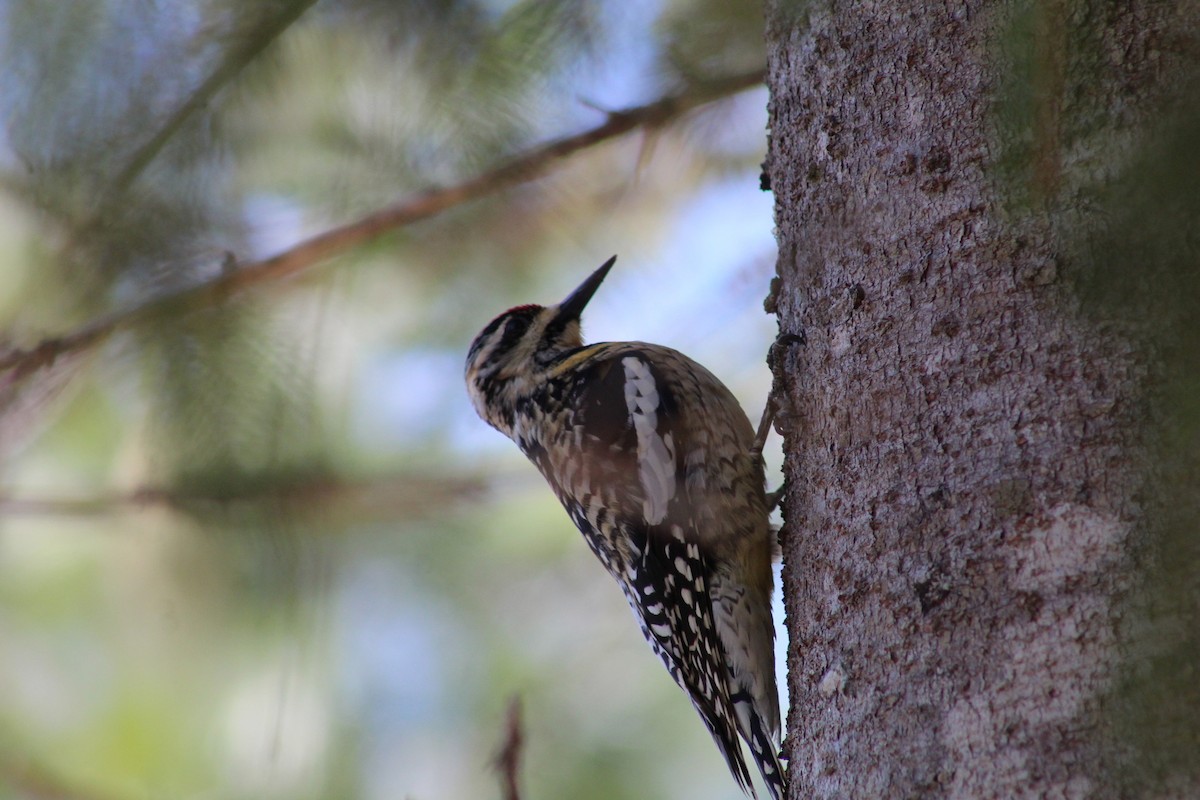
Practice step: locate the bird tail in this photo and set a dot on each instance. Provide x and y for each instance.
(725, 735)
(766, 756)
(763, 746)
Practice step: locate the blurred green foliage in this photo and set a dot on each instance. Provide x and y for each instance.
(1146, 265)
(1109, 145)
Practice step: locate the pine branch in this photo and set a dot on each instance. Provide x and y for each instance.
(422, 205)
(238, 58)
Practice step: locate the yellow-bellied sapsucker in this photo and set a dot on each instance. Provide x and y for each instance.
(653, 459)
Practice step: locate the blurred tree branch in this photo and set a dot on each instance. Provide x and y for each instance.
(260, 36)
(30, 780)
(508, 758)
(237, 277)
(410, 495)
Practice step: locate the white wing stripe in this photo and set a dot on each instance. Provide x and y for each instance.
(656, 454)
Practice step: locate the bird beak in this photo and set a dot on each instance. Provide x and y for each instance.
(572, 307)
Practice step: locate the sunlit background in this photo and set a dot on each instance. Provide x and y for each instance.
(265, 548)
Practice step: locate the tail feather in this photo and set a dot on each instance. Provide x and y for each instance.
(727, 742)
(766, 756)
(763, 744)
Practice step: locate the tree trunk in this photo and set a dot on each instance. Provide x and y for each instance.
(962, 442)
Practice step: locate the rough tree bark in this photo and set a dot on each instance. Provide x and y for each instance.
(963, 445)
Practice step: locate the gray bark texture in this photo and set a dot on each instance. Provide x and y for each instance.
(963, 442)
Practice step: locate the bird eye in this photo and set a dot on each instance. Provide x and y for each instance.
(516, 323)
(503, 333)
(514, 329)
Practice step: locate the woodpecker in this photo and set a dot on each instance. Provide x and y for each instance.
(656, 464)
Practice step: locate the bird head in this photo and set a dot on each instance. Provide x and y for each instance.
(512, 354)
